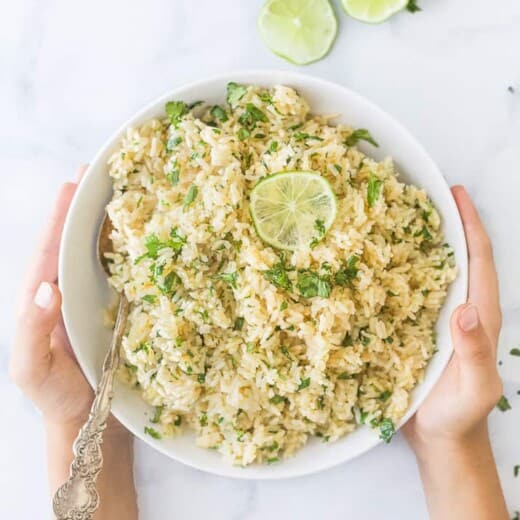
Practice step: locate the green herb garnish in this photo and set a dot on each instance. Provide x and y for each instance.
(278, 275)
(235, 93)
(149, 298)
(412, 6)
(373, 190)
(239, 323)
(304, 383)
(361, 134)
(311, 284)
(178, 421)
(319, 225)
(348, 272)
(219, 113)
(230, 278)
(386, 430)
(157, 414)
(152, 433)
(191, 195)
(277, 399)
(175, 110)
(515, 352)
(503, 404)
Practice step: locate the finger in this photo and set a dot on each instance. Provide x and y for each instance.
(470, 341)
(45, 263)
(32, 356)
(483, 283)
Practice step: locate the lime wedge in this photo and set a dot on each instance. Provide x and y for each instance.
(373, 11)
(300, 31)
(292, 209)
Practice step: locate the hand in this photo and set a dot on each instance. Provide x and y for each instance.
(457, 408)
(43, 364)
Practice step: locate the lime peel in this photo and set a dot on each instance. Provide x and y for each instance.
(373, 11)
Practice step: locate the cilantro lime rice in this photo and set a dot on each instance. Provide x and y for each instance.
(258, 349)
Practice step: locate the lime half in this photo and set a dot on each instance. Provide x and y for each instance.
(292, 209)
(373, 11)
(300, 31)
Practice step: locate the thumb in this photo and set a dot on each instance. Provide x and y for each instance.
(472, 346)
(32, 357)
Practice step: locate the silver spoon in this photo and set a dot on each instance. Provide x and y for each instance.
(77, 498)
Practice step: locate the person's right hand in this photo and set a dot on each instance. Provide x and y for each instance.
(470, 387)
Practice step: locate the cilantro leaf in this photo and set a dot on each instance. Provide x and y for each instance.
(173, 176)
(348, 272)
(243, 134)
(319, 225)
(251, 116)
(361, 134)
(373, 190)
(175, 110)
(311, 284)
(412, 6)
(515, 352)
(157, 414)
(304, 383)
(219, 113)
(152, 433)
(230, 278)
(149, 298)
(503, 404)
(277, 399)
(191, 195)
(239, 323)
(278, 276)
(302, 136)
(386, 430)
(235, 93)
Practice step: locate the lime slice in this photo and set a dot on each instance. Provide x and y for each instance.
(373, 11)
(292, 209)
(300, 31)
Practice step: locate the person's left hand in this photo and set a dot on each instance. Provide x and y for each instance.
(43, 364)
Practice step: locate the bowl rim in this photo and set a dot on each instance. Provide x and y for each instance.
(242, 76)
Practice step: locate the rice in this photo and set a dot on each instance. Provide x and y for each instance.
(212, 342)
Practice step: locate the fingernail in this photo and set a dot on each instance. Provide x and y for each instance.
(468, 319)
(43, 296)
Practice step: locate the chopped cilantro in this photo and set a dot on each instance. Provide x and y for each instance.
(169, 280)
(361, 134)
(373, 190)
(283, 306)
(201, 378)
(150, 298)
(503, 404)
(347, 341)
(243, 134)
(516, 470)
(319, 225)
(311, 284)
(338, 168)
(412, 6)
(251, 116)
(278, 275)
(219, 113)
(304, 383)
(157, 414)
(153, 245)
(230, 278)
(345, 375)
(385, 396)
(285, 352)
(386, 430)
(273, 146)
(277, 399)
(152, 433)
(348, 272)
(173, 142)
(272, 460)
(235, 93)
(250, 346)
(302, 136)
(239, 323)
(515, 352)
(191, 195)
(173, 176)
(178, 421)
(272, 447)
(203, 420)
(175, 110)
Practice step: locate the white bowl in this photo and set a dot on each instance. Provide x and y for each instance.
(85, 290)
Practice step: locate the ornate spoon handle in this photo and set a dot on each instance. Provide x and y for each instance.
(77, 498)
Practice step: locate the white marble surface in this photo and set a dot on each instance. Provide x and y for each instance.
(73, 71)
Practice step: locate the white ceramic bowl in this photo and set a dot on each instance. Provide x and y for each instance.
(85, 290)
